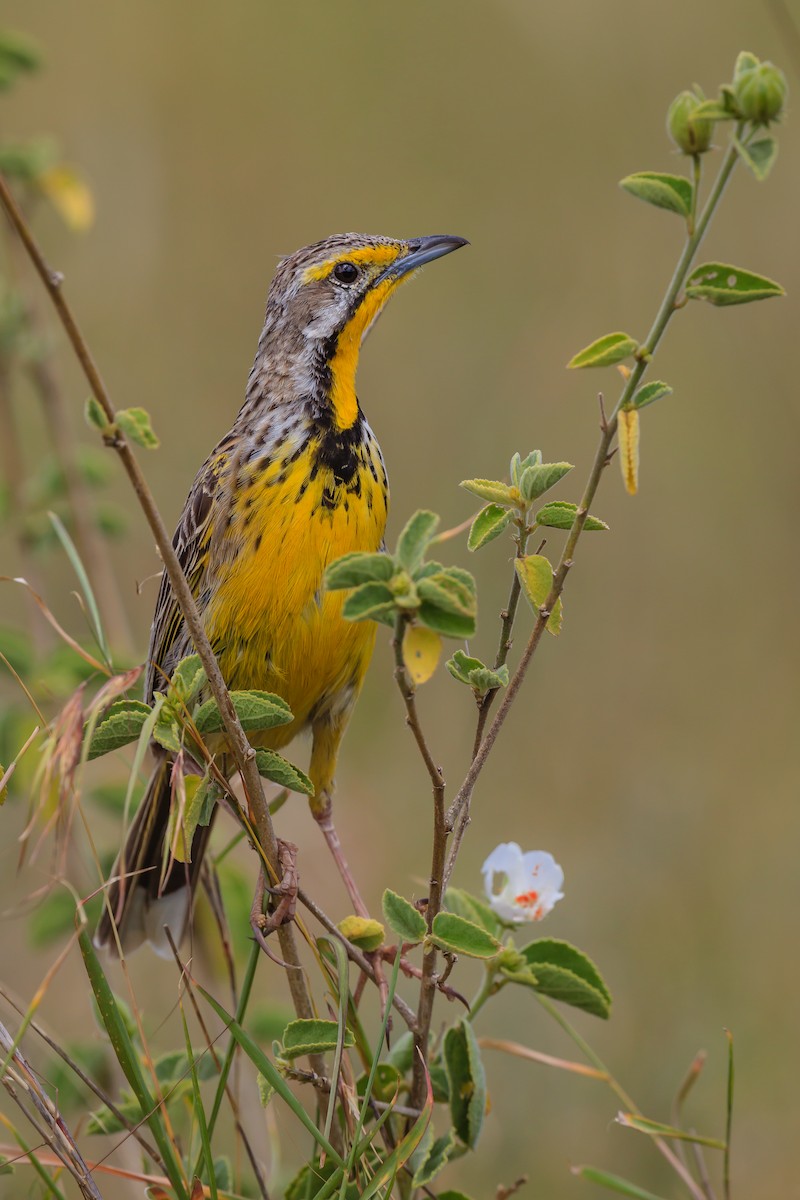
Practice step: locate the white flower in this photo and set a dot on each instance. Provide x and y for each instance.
(521, 887)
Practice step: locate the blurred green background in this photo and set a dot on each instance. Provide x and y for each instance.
(654, 751)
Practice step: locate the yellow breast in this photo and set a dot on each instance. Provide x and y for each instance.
(272, 623)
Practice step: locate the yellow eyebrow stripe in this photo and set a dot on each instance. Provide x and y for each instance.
(369, 256)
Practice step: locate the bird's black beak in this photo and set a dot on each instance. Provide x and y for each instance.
(420, 251)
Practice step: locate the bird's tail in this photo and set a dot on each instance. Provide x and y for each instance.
(149, 888)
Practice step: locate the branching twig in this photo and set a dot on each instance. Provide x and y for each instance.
(241, 750)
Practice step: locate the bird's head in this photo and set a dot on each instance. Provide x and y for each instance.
(324, 299)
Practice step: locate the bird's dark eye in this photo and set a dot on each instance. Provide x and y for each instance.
(345, 272)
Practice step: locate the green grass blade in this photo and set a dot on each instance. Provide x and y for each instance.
(342, 965)
(74, 557)
(127, 1058)
(270, 1071)
(656, 1129)
(726, 1165)
(614, 1183)
(200, 1113)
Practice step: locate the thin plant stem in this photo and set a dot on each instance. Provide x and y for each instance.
(243, 753)
(618, 1090)
(608, 430)
(427, 990)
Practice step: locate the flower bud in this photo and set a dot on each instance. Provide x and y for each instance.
(690, 136)
(745, 62)
(760, 92)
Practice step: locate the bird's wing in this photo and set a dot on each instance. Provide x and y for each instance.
(169, 641)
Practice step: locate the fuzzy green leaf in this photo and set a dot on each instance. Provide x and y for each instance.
(275, 767)
(369, 602)
(723, 285)
(120, 724)
(414, 540)
(135, 424)
(648, 393)
(354, 569)
(435, 1160)
(759, 157)
(565, 973)
(451, 590)
(463, 904)
(467, 1082)
(489, 524)
(461, 664)
(447, 624)
(95, 414)
(167, 733)
(255, 710)
(536, 576)
(538, 479)
(402, 917)
(311, 1036)
(173, 1067)
(605, 351)
(673, 192)
(560, 514)
(188, 678)
(461, 936)
(490, 489)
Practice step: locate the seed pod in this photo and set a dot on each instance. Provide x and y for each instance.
(689, 135)
(760, 93)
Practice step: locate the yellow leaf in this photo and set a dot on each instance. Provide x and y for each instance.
(363, 932)
(421, 650)
(70, 196)
(536, 576)
(628, 430)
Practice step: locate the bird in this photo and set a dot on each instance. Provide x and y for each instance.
(298, 481)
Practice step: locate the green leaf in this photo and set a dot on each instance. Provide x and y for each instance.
(95, 414)
(173, 1067)
(402, 917)
(461, 664)
(722, 285)
(447, 624)
(103, 1121)
(461, 936)
(188, 678)
(673, 192)
(167, 733)
(758, 156)
(463, 904)
(200, 795)
(648, 393)
(451, 1194)
(490, 489)
(354, 569)
(605, 351)
(363, 932)
(565, 973)
(265, 1089)
(275, 767)
(538, 479)
(414, 540)
(476, 674)
(311, 1036)
(435, 1160)
(467, 1082)
(451, 590)
(489, 524)
(369, 602)
(560, 514)
(255, 710)
(536, 576)
(53, 918)
(120, 724)
(135, 424)
(712, 110)
(17, 54)
(614, 1183)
